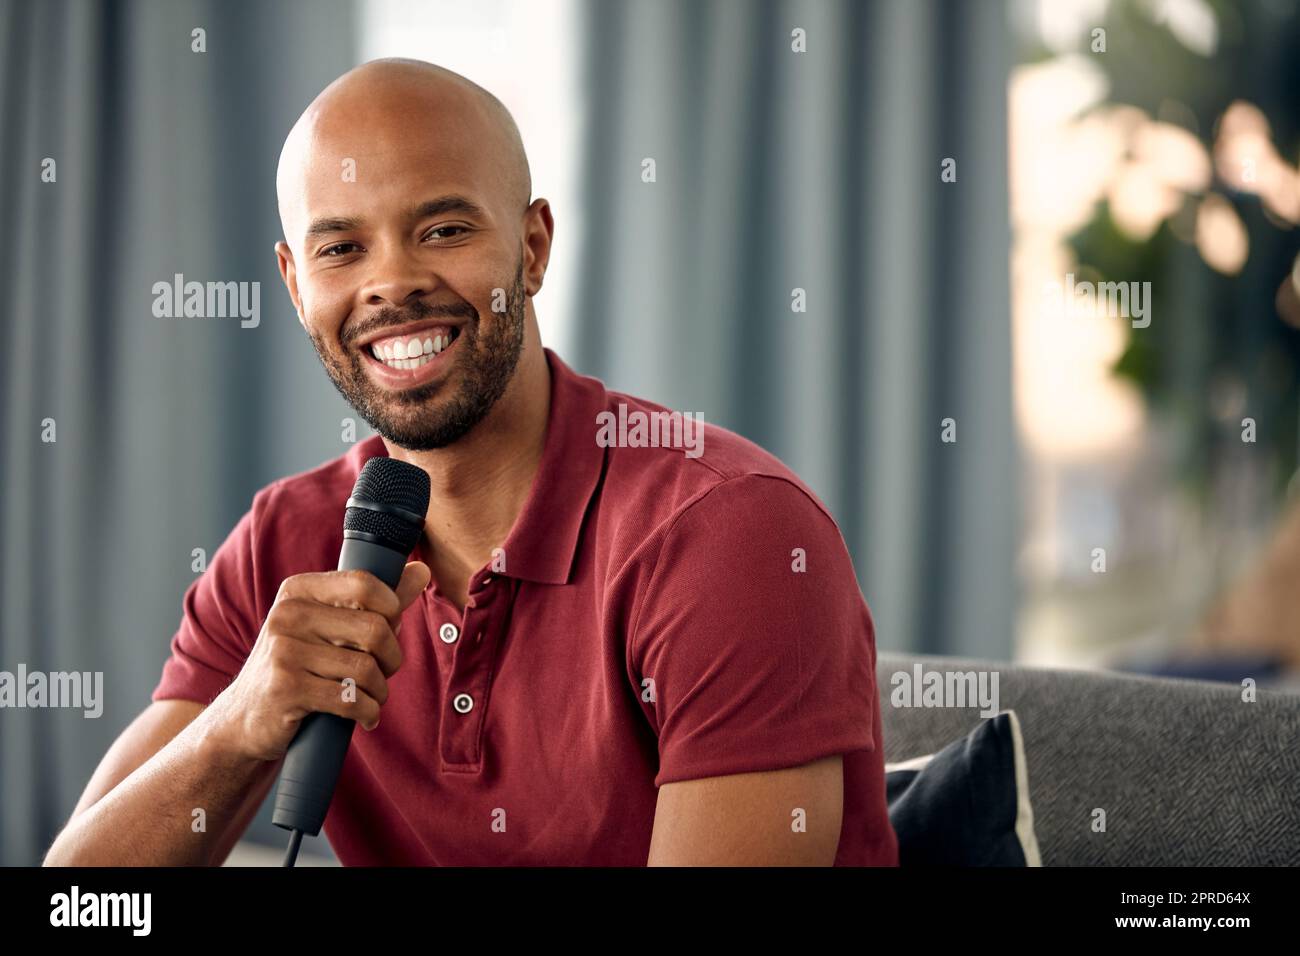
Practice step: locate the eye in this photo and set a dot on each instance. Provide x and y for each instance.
(339, 249)
(432, 233)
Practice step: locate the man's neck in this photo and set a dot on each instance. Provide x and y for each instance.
(478, 486)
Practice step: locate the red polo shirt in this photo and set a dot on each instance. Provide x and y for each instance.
(659, 617)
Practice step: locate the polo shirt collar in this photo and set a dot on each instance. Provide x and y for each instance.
(544, 540)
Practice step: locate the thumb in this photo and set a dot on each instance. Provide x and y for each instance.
(415, 578)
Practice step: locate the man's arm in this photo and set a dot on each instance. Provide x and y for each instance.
(761, 673)
(177, 757)
(787, 817)
(138, 809)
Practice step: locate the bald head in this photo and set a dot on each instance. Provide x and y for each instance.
(402, 105)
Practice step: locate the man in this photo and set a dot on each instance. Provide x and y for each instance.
(603, 655)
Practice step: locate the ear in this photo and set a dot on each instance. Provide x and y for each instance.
(289, 273)
(539, 232)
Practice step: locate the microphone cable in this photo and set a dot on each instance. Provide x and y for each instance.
(291, 854)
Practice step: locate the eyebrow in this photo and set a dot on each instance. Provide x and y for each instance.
(323, 227)
(434, 207)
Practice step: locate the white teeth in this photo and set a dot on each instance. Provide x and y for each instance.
(410, 353)
(407, 363)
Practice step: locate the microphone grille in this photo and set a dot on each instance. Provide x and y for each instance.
(391, 482)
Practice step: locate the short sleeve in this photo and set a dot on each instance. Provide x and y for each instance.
(755, 634)
(219, 621)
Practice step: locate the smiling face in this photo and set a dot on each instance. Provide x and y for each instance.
(403, 202)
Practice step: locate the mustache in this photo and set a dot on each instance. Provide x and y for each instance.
(392, 317)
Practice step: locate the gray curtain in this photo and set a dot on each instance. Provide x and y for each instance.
(165, 164)
(820, 171)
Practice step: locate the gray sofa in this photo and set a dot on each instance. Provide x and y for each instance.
(1187, 773)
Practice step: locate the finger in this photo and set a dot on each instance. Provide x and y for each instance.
(355, 589)
(364, 631)
(327, 697)
(340, 663)
(415, 578)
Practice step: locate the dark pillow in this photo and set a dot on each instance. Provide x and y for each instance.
(968, 804)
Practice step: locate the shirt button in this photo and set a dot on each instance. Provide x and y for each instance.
(487, 579)
(463, 703)
(448, 633)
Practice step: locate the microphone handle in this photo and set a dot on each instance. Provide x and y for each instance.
(315, 757)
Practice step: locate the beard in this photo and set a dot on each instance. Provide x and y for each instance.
(485, 362)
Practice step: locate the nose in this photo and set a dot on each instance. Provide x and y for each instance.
(396, 277)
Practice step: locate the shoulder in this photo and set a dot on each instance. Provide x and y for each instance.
(727, 537)
(716, 488)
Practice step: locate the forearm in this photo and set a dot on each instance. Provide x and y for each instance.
(149, 818)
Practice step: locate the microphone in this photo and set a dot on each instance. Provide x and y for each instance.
(384, 520)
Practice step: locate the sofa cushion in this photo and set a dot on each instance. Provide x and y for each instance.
(1131, 770)
(967, 804)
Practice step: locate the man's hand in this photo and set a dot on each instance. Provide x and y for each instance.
(179, 756)
(785, 817)
(322, 628)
